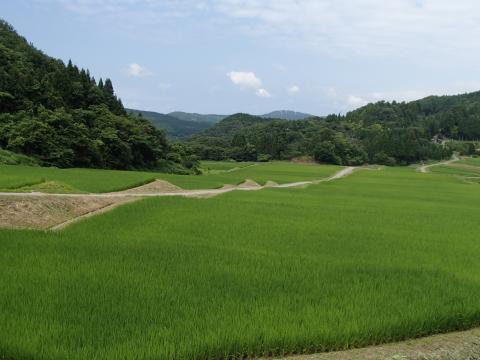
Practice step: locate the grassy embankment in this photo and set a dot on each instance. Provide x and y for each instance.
(375, 257)
(11, 158)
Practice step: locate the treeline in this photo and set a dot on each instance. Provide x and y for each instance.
(382, 133)
(59, 115)
(453, 117)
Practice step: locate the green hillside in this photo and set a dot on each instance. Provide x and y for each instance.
(60, 115)
(455, 117)
(175, 128)
(286, 115)
(382, 133)
(208, 118)
(11, 158)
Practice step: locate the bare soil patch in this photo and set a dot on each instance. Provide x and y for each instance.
(461, 345)
(228, 187)
(270, 184)
(155, 187)
(45, 212)
(248, 184)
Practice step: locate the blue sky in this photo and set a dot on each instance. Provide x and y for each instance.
(227, 56)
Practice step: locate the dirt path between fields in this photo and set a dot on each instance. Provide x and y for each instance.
(164, 188)
(239, 168)
(426, 168)
(460, 345)
(55, 211)
(213, 171)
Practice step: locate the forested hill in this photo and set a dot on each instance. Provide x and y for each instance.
(202, 118)
(234, 123)
(30, 79)
(384, 133)
(287, 115)
(455, 116)
(181, 125)
(174, 127)
(60, 115)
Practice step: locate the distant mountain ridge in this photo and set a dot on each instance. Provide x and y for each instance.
(209, 118)
(174, 127)
(181, 125)
(234, 123)
(286, 115)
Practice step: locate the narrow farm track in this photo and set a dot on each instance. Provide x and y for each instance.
(459, 345)
(426, 168)
(239, 168)
(186, 193)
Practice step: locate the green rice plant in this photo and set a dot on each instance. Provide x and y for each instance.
(468, 168)
(85, 180)
(212, 166)
(279, 171)
(375, 257)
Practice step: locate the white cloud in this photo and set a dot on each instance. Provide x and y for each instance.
(245, 79)
(115, 8)
(294, 89)
(370, 27)
(263, 93)
(373, 27)
(248, 80)
(138, 70)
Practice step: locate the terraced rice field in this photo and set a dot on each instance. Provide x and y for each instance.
(27, 178)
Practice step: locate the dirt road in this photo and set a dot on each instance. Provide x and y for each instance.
(460, 345)
(426, 168)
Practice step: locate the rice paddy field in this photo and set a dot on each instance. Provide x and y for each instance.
(14, 178)
(217, 166)
(79, 180)
(378, 256)
(467, 169)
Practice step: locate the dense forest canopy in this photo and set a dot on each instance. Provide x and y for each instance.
(384, 133)
(60, 115)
